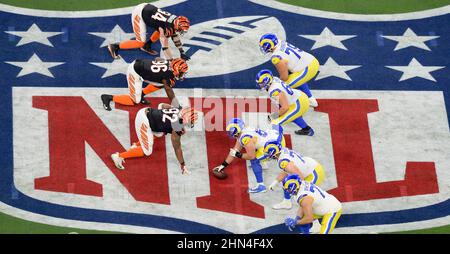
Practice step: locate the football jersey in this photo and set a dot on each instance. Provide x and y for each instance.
(323, 201)
(279, 86)
(157, 18)
(164, 120)
(305, 164)
(297, 59)
(261, 136)
(154, 71)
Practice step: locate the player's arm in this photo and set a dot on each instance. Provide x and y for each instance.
(237, 147)
(305, 211)
(279, 178)
(170, 94)
(284, 104)
(177, 41)
(292, 169)
(282, 68)
(176, 143)
(165, 44)
(250, 150)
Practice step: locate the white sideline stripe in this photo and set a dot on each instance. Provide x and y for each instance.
(53, 221)
(355, 17)
(81, 14)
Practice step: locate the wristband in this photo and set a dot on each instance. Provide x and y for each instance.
(225, 164)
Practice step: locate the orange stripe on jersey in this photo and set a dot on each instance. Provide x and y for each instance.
(132, 88)
(144, 136)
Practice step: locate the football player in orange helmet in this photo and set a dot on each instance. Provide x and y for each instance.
(165, 26)
(158, 73)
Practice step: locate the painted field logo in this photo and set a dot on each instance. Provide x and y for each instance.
(382, 129)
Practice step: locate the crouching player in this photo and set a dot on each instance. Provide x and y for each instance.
(253, 141)
(293, 104)
(159, 122)
(290, 162)
(314, 203)
(294, 66)
(158, 73)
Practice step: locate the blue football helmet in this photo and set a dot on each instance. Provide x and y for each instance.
(291, 184)
(273, 148)
(263, 79)
(235, 127)
(268, 42)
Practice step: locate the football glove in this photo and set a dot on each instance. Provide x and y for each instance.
(273, 185)
(219, 168)
(290, 223)
(235, 153)
(184, 56)
(184, 170)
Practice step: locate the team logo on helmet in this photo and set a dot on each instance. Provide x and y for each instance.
(179, 68)
(182, 24)
(189, 116)
(292, 184)
(268, 42)
(263, 79)
(235, 127)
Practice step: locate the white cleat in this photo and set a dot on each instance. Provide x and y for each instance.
(118, 160)
(313, 102)
(285, 204)
(316, 226)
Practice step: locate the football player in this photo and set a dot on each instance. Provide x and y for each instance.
(166, 119)
(253, 141)
(291, 162)
(165, 26)
(295, 67)
(159, 73)
(292, 103)
(313, 202)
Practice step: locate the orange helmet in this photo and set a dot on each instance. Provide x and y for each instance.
(181, 24)
(179, 67)
(189, 116)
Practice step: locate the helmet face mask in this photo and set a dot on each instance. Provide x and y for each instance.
(267, 43)
(235, 127)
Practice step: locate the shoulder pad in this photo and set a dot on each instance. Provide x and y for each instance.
(244, 139)
(283, 162)
(276, 59)
(275, 92)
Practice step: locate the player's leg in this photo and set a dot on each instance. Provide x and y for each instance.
(148, 45)
(286, 203)
(294, 114)
(257, 170)
(140, 31)
(317, 176)
(299, 80)
(329, 222)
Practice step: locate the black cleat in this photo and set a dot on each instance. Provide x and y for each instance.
(305, 132)
(143, 100)
(106, 99)
(148, 48)
(114, 50)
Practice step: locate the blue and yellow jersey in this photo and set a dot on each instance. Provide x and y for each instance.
(297, 59)
(277, 87)
(261, 137)
(305, 164)
(324, 203)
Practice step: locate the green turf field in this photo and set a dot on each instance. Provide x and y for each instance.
(10, 224)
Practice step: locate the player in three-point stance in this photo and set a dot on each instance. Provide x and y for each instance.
(295, 67)
(313, 203)
(292, 103)
(159, 73)
(165, 25)
(159, 122)
(291, 162)
(253, 140)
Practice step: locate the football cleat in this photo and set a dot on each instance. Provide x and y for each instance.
(118, 160)
(285, 204)
(305, 132)
(313, 102)
(106, 99)
(148, 48)
(260, 188)
(114, 50)
(143, 100)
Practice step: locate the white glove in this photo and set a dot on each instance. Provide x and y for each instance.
(219, 168)
(273, 185)
(235, 153)
(185, 171)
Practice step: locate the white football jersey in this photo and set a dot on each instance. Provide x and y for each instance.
(262, 136)
(323, 201)
(305, 164)
(279, 86)
(297, 59)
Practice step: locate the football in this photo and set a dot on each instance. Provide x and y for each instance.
(219, 174)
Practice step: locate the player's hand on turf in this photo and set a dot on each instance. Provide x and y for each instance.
(290, 223)
(273, 185)
(185, 171)
(184, 56)
(218, 168)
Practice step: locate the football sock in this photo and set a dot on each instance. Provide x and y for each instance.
(300, 122)
(133, 44)
(257, 170)
(150, 89)
(123, 99)
(132, 153)
(305, 88)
